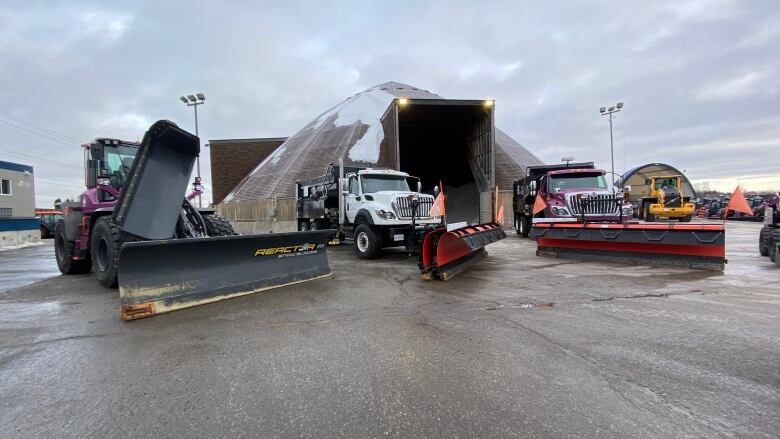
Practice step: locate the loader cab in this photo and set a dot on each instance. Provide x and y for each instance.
(109, 160)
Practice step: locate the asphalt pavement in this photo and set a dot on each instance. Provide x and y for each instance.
(518, 346)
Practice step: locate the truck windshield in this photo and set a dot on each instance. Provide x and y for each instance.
(379, 183)
(577, 181)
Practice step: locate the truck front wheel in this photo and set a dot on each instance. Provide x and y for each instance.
(104, 248)
(368, 242)
(63, 251)
(523, 225)
(763, 241)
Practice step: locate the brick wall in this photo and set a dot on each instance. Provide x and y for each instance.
(233, 159)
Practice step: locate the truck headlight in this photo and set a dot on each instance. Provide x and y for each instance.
(628, 210)
(385, 214)
(560, 211)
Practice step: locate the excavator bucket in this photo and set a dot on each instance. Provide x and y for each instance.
(166, 275)
(699, 246)
(446, 253)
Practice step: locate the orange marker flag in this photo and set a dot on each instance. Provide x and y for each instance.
(499, 208)
(538, 204)
(738, 203)
(438, 209)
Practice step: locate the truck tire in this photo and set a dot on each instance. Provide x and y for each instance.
(368, 242)
(686, 218)
(763, 241)
(104, 249)
(320, 225)
(303, 226)
(44, 232)
(773, 252)
(63, 251)
(523, 225)
(218, 226)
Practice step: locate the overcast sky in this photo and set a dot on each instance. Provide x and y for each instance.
(699, 78)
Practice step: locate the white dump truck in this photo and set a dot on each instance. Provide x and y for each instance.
(372, 208)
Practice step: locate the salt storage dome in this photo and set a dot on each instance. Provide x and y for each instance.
(401, 127)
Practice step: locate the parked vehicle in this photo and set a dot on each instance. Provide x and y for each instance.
(571, 192)
(769, 237)
(662, 197)
(372, 208)
(48, 218)
(133, 227)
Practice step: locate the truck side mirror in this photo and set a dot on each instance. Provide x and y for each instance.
(419, 186)
(533, 186)
(345, 193)
(436, 191)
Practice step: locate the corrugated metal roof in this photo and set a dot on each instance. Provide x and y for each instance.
(353, 130)
(636, 177)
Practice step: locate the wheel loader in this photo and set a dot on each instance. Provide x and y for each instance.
(134, 228)
(662, 197)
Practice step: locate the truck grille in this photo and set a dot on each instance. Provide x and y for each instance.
(596, 205)
(404, 210)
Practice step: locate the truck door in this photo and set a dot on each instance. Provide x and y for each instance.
(351, 202)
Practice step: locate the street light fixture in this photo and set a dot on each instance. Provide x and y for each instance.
(611, 113)
(193, 101)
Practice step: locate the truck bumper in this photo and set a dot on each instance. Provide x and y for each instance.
(402, 236)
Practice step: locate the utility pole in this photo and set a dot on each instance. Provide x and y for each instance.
(611, 113)
(194, 101)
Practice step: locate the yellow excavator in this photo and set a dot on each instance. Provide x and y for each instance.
(662, 197)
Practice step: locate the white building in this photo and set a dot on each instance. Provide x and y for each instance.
(18, 223)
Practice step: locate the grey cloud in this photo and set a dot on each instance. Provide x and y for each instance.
(697, 77)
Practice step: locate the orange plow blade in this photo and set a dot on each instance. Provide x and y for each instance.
(698, 246)
(446, 253)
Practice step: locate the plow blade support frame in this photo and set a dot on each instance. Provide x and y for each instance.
(165, 275)
(698, 246)
(445, 254)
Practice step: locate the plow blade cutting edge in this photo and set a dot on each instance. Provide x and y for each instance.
(699, 246)
(445, 254)
(165, 275)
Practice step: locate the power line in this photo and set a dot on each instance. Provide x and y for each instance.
(39, 133)
(39, 127)
(38, 159)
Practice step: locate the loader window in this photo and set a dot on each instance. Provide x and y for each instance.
(663, 182)
(118, 159)
(577, 181)
(379, 183)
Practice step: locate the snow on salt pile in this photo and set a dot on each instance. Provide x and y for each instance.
(365, 108)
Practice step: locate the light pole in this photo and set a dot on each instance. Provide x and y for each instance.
(611, 113)
(193, 101)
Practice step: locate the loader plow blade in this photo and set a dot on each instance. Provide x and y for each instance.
(445, 254)
(699, 246)
(161, 276)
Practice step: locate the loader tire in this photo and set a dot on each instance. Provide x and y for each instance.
(104, 248)
(764, 241)
(63, 251)
(218, 226)
(368, 242)
(649, 217)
